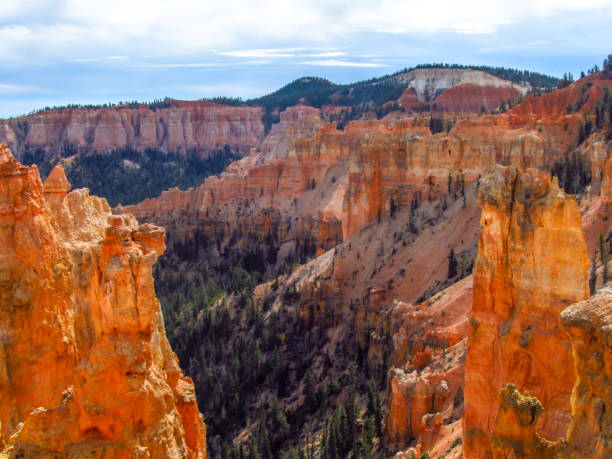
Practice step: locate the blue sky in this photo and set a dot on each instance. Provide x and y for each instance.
(55, 52)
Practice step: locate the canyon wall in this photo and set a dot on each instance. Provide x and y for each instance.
(350, 177)
(532, 262)
(184, 126)
(85, 366)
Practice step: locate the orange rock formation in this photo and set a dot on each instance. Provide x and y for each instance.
(426, 394)
(532, 262)
(85, 366)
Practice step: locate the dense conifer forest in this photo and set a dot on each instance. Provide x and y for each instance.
(128, 176)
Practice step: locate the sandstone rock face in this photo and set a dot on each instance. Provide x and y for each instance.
(532, 262)
(589, 324)
(85, 366)
(201, 126)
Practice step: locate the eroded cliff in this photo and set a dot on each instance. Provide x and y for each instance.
(85, 366)
(179, 127)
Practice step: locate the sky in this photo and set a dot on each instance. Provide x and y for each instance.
(58, 52)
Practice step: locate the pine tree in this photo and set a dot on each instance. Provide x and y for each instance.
(311, 395)
(352, 413)
(593, 275)
(253, 452)
(603, 253)
(392, 207)
(374, 405)
(367, 437)
(452, 264)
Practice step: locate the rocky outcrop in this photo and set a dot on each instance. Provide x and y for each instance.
(589, 324)
(85, 366)
(515, 433)
(425, 389)
(532, 262)
(183, 126)
(416, 403)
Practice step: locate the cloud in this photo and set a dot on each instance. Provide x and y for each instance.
(179, 65)
(338, 63)
(465, 17)
(13, 89)
(261, 53)
(327, 54)
(99, 59)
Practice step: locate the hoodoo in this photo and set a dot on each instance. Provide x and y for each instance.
(532, 263)
(85, 366)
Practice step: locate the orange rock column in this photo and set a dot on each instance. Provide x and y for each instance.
(532, 262)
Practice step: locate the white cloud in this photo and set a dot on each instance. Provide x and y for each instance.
(152, 66)
(466, 16)
(261, 53)
(327, 54)
(13, 89)
(338, 63)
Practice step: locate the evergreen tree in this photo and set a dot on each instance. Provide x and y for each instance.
(311, 394)
(374, 405)
(603, 253)
(452, 264)
(593, 276)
